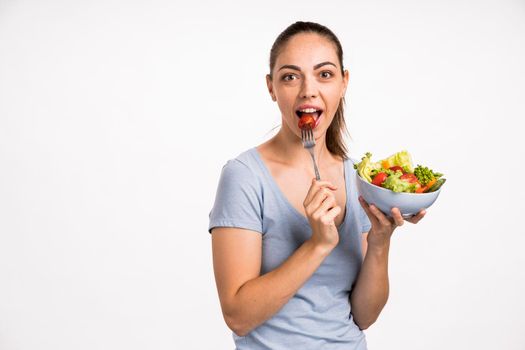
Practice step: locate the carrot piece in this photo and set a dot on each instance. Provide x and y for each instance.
(425, 188)
(430, 183)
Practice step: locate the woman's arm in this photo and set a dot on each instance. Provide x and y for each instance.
(370, 292)
(247, 298)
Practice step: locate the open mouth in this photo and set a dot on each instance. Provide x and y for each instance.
(310, 111)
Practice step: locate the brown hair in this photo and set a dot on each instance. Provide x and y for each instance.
(337, 129)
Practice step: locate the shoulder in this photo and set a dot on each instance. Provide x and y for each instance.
(242, 165)
(247, 159)
(349, 165)
(351, 161)
(239, 198)
(243, 170)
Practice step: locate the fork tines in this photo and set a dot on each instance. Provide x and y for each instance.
(307, 136)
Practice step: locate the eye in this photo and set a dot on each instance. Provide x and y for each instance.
(326, 74)
(289, 77)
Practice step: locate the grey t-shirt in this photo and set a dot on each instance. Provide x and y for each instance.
(318, 315)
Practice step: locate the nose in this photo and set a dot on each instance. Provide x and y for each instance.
(308, 88)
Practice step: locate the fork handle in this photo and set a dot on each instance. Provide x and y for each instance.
(317, 177)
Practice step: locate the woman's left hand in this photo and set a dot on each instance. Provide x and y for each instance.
(383, 226)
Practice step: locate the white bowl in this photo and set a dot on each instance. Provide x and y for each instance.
(408, 203)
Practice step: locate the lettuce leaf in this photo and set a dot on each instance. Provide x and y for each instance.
(394, 183)
(402, 159)
(365, 167)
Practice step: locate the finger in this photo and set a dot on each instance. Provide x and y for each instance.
(383, 220)
(397, 217)
(415, 219)
(330, 216)
(314, 187)
(366, 208)
(320, 197)
(325, 206)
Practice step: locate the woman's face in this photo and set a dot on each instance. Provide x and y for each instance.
(307, 79)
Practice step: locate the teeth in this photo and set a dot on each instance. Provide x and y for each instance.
(308, 110)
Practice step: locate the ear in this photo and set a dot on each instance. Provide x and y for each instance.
(346, 78)
(269, 84)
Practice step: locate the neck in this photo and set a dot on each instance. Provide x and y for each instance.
(291, 151)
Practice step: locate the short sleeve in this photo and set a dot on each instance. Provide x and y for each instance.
(238, 201)
(364, 220)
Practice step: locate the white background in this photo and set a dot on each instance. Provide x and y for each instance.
(117, 116)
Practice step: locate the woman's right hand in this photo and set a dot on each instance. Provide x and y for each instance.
(321, 210)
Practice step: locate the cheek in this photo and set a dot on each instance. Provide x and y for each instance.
(284, 99)
(334, 95)
(336, 91)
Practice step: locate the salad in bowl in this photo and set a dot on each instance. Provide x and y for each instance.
(395, 182)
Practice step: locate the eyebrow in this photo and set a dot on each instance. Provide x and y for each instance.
(317, 66)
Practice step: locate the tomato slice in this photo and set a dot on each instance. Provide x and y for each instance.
(307, 120)
(379, 179)
(396, 168)
(409, 177)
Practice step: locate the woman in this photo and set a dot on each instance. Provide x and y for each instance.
(287, 249)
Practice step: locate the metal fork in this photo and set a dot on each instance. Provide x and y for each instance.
(307, 136)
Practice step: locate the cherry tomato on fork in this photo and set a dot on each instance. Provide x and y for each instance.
(307, 120)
